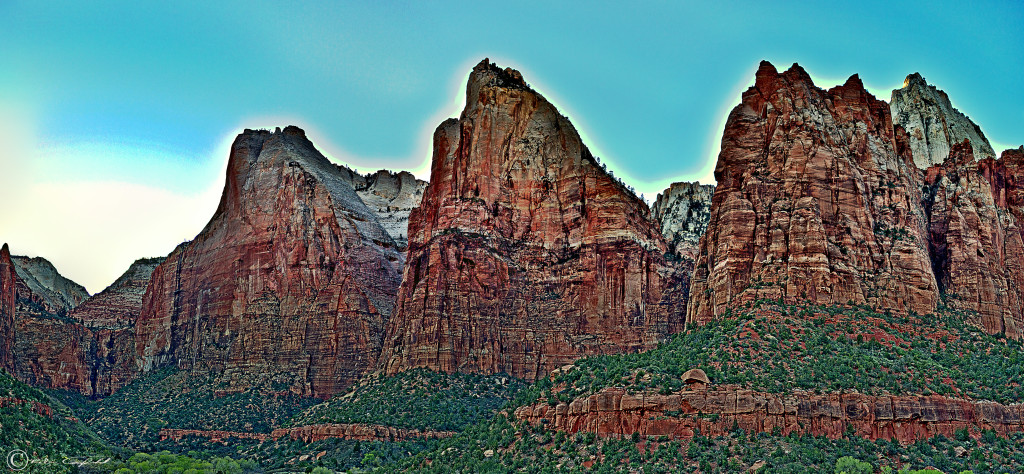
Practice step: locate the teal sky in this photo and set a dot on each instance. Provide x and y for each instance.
(115, 116)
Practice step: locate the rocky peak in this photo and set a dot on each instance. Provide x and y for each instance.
(932, 123)
(815, 201)
(524, 254)
(290, 282)
(54, 291)
(391, 196)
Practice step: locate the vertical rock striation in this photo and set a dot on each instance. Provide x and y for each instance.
(290, 283)
(7, 301)
(975, 211)
(933, 125)
(817, 200)
(524, 254)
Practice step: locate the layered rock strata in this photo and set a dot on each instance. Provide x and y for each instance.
(524, 254)
(615, 413)
(289, 283)
(933, 125)
(817, 200)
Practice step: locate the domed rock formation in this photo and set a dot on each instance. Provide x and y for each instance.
(683, 211)
(524, 254)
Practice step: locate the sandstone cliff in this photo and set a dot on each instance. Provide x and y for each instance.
(683, 211)
(933, 125)
(289, 283)
(975, 229)
(524, 254)
(7, 302)
(613, 412)
(817, 200)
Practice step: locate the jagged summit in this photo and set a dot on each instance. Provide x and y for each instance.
(933, 124)
(498, 77)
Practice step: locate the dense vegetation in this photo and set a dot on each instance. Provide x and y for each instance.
(779, 348)
(419, 399)
(501, 446)
(48, 441)
(168, 398)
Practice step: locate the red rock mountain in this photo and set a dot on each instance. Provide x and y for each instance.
(817, 199)
(524, 253)
(291, 282)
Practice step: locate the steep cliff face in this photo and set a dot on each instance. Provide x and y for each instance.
(110, 317)
(391, 196)
(50, 349)
(817, 200)
(613, 412)
(524, 254)
(975, 211)
(50, 289)
(289, 283)
(7, 300)
(683, 211)
(932, 124)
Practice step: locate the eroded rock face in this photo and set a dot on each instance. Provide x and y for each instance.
(524, 254)
(52, 290)
(817, 200)
(7, 301)
(391, 196)
(932, 124)
(613, 412)
(683, 211)
(290, 282)
(975, 211)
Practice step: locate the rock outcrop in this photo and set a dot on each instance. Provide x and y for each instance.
(525, 254)
(933, 125)
(289, 283)
(975, 235)
(8, 297)
(683, 211)
(55, 293)
(615, 413)
(391, 196)
(817, 200)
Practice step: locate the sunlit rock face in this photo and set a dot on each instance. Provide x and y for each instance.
(524, 253)
(818, 200)
(975, 230)
(932, 124)
(683, 211)
(290, 283)
(391, 197)
(52, 291)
